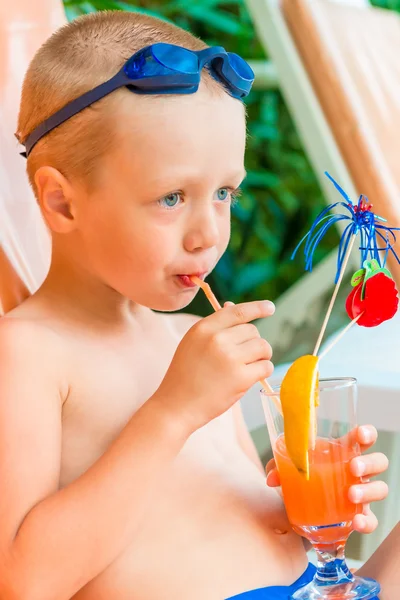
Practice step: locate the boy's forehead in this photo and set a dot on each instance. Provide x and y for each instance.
(182, 114)
(206, 129)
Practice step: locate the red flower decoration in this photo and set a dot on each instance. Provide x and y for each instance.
(375, 295)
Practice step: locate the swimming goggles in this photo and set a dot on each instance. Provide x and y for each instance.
(159, 69)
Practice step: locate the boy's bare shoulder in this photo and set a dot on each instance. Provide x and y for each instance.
(21, 326)
(29, 345)
(20, 330)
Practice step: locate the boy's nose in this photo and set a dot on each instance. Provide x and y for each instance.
(203, 231)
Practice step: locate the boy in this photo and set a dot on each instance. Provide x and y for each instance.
(130, 473)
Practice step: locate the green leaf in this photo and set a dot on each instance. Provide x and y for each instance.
(120, 5)
(358, 277)
(263, 179)
(263, 131)
(219, 20)
(225, 266)
(240, 212)
(390, 4)
(72, 12)
(251, 275)
(87, 7)
(182, 5)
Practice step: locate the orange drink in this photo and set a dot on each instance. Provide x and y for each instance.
(322, 500)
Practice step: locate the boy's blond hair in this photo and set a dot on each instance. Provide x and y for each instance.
(75, 59)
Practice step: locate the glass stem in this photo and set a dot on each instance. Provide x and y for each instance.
(331, 566)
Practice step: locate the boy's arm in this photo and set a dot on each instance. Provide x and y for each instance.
(52, 542)
(384, 565)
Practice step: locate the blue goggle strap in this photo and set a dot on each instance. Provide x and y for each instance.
(160, 84)
(74, 107)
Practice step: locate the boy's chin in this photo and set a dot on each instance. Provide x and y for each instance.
(172, 303)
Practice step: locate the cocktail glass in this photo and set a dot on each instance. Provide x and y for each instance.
(319, 508)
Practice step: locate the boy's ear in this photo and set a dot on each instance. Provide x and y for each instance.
(56, 199)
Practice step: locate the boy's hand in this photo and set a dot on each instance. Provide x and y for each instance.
(361, 466)
(217, 361)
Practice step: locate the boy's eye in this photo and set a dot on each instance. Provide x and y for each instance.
(171, 200)
(223, 194)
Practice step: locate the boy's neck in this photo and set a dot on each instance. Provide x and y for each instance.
(78, 295)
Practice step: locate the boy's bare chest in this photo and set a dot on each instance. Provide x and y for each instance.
(108, 385)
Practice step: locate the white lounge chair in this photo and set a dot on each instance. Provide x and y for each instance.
(337, 64)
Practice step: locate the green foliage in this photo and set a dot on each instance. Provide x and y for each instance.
(391, 4)
(281, 196)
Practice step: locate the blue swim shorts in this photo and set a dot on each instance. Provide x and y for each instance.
(279, 592)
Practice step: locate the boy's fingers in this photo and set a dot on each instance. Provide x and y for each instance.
(368, 492)
(238, 314)
(244, 333)
(273, 478)
(272, 474)
(366, 436)
(366, 522)
(369, 464)
(254, 350)
(270, 465)
(256, 371)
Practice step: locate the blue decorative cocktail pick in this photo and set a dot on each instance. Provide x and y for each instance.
(376, 239)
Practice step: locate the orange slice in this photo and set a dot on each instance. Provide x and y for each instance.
(299, 399)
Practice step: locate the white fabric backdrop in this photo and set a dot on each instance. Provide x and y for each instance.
(24, 26)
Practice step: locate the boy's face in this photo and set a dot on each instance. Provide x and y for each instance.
(162, 205)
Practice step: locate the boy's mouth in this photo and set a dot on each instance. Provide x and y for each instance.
(187, 282)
